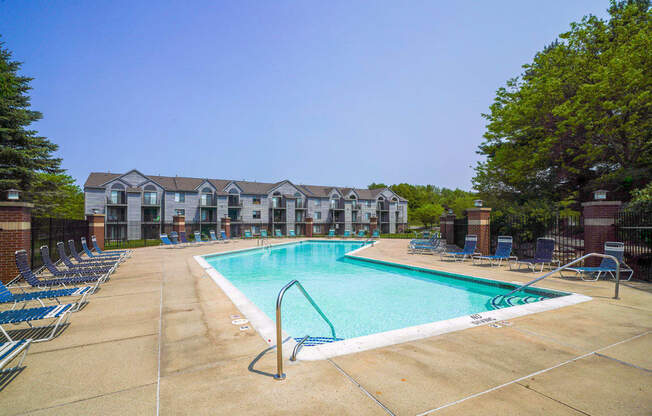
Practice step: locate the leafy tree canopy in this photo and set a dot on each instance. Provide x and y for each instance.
(428, 214)
(578, 118)
(22, 152)
(57, 196)
(375, 185)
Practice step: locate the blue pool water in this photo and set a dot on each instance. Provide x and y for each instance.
(359, 297)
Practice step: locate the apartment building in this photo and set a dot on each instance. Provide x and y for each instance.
(140, 206)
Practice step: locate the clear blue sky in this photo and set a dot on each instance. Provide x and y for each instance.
(318, 92)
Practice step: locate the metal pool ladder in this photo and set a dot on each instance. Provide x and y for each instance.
(280, 375)
(498, 299)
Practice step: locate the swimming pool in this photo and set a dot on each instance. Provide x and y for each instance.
(361, 298)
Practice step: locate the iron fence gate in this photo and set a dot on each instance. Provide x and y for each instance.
(49, 231)
(566, 230)
(635, 231)
(460, 227)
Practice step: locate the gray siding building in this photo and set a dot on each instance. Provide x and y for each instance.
(140, 206)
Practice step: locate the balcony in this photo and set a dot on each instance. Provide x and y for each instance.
(113, 200)
(278, 203)
(382, 207)
(235, 218)
(115, 219)
(336, 204)
(151, 200)
(355, 206)
(235, 204)
(208, 201)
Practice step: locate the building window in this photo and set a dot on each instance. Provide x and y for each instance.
(179, 212)
(256, 215)
(150, 198)
(354, 217)
(256, 200)
(368, 204)
(316, 229)
(318, 202)
(318, 215)
(179, 197)
(254, 229)
(206, 199)
(367, 216)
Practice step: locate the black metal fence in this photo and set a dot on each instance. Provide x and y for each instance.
(49, 231)
(567, 231)
(460, 228)
(635, 231)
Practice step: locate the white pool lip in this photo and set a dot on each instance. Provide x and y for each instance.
(266, 328)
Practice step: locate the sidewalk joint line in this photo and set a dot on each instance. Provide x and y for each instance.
(553, 399)
(160, 330)
(623, 362)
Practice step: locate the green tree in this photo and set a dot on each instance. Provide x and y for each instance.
(578, 118)
(375, 185)
(57, 196)
(428, 214)
(22, 152)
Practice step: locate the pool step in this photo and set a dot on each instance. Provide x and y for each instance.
(314, 341)
(500, 301)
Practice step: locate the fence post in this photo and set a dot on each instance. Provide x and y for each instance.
(96, 228)
(598, 227)
(450, 228)
(15, 234)
(479, 224)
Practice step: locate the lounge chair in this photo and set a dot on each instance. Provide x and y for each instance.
(104, 261)
(85, 267)
(470, 243)
(165, 241)
(607, 266)
(331, 233)
(213, 237)
(263, 233)
(198, 239)
(223, 236)
(10, 350)
(247, 234)
(347, 234)
(6, 296)
(91, 255)
(542, 255)
(22, 264)
(292, 233)
(503, 252)
(182, 238)
(58, 315)
(431, 246)
(68, 272)
(278, 233)
(361, 233)
(375, 234)
(100, 251)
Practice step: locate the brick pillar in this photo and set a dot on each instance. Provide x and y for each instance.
(442, 226)
(179, 223)
(479, 225)
(226, 224)
(15, 234)
(598, 227)
(96, 228)
(308, 226)
(373, 224)
(450, 228)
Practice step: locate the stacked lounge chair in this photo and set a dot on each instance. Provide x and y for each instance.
(166, 242)
(543, 254)
(278, 233)
(126, 253)
(108, 255)
(263, 233)
(470, 243)
(607, 266)
(198, 238)
(83, 267)
(503, 252)
(224, 237)
(361, 233)
(420, 246)
(292, 233)
(331, 233)
(107, 260)
(347, 234)
(247, 234)
(81, 278)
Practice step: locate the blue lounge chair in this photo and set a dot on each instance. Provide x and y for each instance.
(22, 264)
(263, 233)
(224, 237)
(90, 254)
(331, 233)
(376, 234)
(6, 296)
(198, 239)
(85, 268)
(361, 233)
(165, 241)
(67, 272)
(182, 238)
(213, 237)
(292, 233)
(10, 350)
(607, 266)
(100, 251)
(543, 253)
(80, 260)
(347, 234)
(247, 234)
(278, 233)
(58, 315)
(431, 246)
(503, 252)
(470, 243)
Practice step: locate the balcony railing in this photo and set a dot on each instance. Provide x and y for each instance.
(336, 204)
(278, 203)
(236, 218)
(208, 202)
(121, 200)
(110, 219)
(149, 200)
(235, 204)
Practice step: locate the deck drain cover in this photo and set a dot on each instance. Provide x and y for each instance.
(239, 321)
(244, 327)
(235, 316)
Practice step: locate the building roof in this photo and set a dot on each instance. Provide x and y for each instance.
(178, 183)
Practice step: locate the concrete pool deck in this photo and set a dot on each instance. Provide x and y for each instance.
(158, 336)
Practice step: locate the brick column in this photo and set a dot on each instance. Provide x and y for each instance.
(479, 225)
(96, 228)
(15, 234)
(308, 226)
(179, 223)
(450, 228)
(598, 227)
(442, 225)
(373, 224)
(226, 225)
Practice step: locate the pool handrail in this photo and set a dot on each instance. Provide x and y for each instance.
(565, 266)
(280, 375)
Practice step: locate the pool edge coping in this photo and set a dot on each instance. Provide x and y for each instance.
(266, 327)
